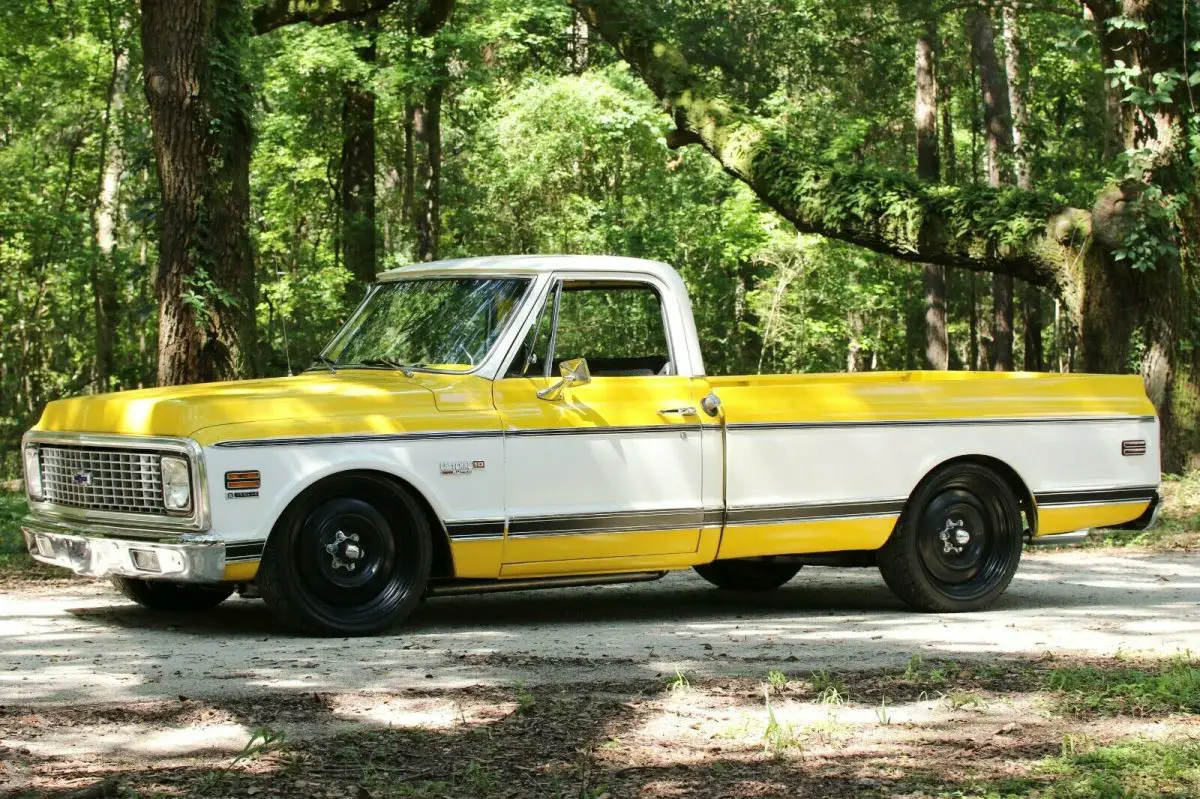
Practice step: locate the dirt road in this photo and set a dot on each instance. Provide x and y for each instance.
(81, 643)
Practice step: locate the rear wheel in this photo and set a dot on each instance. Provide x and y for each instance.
(958, 542)
(350, 558)
(175, 597)
(747, 575)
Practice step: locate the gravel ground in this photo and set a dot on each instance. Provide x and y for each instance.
(78, 642)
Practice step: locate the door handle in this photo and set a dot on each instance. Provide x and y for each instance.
(685, 411)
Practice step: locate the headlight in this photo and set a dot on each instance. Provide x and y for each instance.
(177, 485)
(33, 473)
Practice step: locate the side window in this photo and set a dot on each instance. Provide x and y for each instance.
(618, 327)
(530, 360)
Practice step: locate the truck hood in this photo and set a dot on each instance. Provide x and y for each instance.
(312, 403)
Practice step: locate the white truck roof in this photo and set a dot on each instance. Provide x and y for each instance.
(537, 264)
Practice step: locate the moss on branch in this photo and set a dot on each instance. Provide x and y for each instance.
(1009, 230)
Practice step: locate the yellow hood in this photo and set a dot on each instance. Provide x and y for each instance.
(312, 403)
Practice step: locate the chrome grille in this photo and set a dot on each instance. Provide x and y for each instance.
(94, 478)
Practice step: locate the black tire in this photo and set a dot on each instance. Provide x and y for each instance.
(174, 597)
(931, 565)
(747, 575)
(311, 587)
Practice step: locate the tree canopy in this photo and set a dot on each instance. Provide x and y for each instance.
(199, 189)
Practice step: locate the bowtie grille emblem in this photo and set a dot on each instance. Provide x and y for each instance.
(82, 478)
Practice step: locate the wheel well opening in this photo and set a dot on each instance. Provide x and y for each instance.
(442, 564)
(1019, 489)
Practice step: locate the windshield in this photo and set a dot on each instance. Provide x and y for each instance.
(441, 323)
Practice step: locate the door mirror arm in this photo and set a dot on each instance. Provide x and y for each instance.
(574, 372)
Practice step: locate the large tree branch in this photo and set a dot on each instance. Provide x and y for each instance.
(1031, 235)
(272, 14)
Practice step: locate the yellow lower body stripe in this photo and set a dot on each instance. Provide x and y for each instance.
(1069, 518)
(818, 535)
(241, 571)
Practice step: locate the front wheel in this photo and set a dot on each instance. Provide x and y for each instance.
(958, 542)
(747, 575)
(172, 597)
(350, 558)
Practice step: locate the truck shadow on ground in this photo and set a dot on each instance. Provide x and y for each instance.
(1124, 587)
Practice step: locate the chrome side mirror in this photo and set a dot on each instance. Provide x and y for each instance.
(574, 372)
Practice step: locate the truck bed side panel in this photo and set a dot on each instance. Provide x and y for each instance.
(826, 463)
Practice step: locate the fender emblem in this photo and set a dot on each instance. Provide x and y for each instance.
(449, 468)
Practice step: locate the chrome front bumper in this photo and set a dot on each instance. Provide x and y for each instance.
(103, 552)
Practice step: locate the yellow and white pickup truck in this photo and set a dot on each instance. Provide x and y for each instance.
(520, 422)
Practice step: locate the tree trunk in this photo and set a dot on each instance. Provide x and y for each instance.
(973, 327)
(933, 276)
(1118, 120)
(578, 48)
(997, 116)
(199, 113)
(104, 216)
(1002, 323)
(1014, 60)
(358, 164)
(1031, 318)
(426, 213)
(997, 120)
(410, 164)
(948, 156)
(855, 359)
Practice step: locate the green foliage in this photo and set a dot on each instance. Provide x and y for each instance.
(56, 62)
(1173, 688)
(1133, 768)
(897, 207)
(580, 164)
(12, 544)
(778, 736)
(263, 740)
(538, 159)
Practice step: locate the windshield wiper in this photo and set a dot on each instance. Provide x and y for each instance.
(328, 363)
(391, 363)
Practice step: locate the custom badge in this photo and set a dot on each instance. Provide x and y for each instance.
(449, 468)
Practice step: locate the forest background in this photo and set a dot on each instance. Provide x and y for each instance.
(202, 189)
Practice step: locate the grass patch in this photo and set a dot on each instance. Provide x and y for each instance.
(12, 544)
(1171, 688)
(1131, 769)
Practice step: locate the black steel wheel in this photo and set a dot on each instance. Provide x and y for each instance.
(958, 542)
(173, 597)
(351, 557)
(747, 575)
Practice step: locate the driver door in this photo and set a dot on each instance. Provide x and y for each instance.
(611, 469)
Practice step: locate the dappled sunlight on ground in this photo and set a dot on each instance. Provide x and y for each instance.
(62, 643)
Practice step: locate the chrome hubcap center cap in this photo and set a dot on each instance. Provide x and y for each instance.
(345, 551)
(954, 536)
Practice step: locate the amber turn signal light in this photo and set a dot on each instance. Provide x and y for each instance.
(242, 481)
